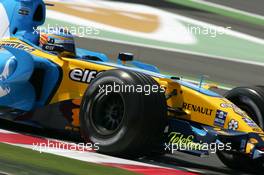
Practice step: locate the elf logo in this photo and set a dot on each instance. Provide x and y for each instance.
(84, 76)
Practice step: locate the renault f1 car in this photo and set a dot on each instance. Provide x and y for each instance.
(106, 101)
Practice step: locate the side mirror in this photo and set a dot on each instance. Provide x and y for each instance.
(125, 57)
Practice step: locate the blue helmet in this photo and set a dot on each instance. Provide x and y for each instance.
(58, 41)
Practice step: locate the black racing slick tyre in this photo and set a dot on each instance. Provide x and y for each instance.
(240, 162)
(251, 100)
(126, 123)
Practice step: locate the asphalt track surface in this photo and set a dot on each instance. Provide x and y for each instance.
(252, 6)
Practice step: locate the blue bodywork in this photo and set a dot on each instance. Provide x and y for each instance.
(24, 17)
(16, 91)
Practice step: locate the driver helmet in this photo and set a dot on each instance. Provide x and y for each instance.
(59, 42)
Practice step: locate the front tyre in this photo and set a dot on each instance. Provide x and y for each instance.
(124, 122)
(250, 100)
(240, 162)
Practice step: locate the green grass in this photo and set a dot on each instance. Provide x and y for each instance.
(20, 161)
(220, 11)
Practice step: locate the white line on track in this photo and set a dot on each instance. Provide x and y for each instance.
(6, 131)
(229, 8)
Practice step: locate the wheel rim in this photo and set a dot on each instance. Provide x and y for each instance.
(108, 113)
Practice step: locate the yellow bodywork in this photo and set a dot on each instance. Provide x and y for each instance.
(187, 99)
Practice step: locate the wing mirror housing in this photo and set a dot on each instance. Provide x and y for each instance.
(124, 57)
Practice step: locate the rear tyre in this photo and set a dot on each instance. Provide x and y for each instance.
(126, 124)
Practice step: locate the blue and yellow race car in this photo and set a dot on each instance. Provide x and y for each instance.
(127, 107)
